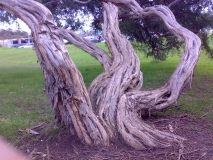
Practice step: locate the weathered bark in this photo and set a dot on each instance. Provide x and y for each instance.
(135, 132)
(123, 75)
(113, 103)
(63, 82)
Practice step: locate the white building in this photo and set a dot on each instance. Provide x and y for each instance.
(15, 42)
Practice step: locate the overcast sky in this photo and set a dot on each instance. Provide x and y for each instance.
(14, 26)
(24, 27)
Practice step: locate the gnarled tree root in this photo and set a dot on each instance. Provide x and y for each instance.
(137, 133)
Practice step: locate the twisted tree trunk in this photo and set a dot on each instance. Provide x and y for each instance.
(113, 102)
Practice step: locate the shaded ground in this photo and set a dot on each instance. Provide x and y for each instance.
(199, 144)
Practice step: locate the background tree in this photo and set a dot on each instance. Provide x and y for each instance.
(113, 104)
(150, 32)
(10, 34)
(196, 15)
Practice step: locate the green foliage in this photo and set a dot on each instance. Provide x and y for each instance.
(6, 17)
(153, 33)
(208, 44)
(194, 15)
(71, 13)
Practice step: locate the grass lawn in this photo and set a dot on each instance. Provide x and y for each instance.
(24, 104)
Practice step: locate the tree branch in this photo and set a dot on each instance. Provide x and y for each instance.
(82, 2)
(87, 46)
(173, 3)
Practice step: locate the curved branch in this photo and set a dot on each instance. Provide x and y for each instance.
(173, 3)
(183, 73)
(87, 46)
(82, 2)
(133, 103)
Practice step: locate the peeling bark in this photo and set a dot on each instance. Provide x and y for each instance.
(113, 103)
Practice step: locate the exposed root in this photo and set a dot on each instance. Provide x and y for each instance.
(138, 134)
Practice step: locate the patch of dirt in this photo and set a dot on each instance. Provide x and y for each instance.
(199, 144)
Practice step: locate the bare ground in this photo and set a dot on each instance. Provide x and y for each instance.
(198, 145)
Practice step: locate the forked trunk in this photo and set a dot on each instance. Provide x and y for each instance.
(113, 102)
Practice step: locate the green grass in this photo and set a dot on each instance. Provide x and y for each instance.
(22, 100)
(88, 66)
(24, 104)
(199, 99)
